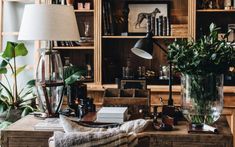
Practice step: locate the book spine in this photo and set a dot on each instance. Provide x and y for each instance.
(168, 30)
(164, 26)
(153, 25)
(107, 17)
(105, 31)
(110, 19)
(148, 24)
(160, 28)
(156, 27)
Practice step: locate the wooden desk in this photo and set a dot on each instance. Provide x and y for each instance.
(22, 134)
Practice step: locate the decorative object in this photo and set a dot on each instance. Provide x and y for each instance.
(14, 102)
(84, 6)
(140, 11)
(202, 64)
(49, 23)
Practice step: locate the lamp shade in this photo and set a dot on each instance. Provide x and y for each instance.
(48, 22)
(143, 48)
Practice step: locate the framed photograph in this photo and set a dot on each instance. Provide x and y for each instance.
(140, 11)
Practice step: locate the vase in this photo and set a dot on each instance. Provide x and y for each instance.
(202, 98)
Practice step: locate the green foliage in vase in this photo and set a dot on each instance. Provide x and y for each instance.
(203, 62)
(207, 55)
(11, 97)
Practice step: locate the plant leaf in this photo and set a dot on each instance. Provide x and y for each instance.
(20, 50)
(20, 69)
(9, 50)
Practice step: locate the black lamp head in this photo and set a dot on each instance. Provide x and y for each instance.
(144, 48)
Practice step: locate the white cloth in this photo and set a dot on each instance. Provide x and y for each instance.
(77, 135)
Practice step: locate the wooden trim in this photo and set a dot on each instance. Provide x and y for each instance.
(97, 41)
(216, 10)
(84, 11)
(192, 19)
(155, 37)
(20, 1)
(10, 33)
(76, 47)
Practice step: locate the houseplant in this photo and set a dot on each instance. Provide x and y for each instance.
(202, 64)
(14, 102)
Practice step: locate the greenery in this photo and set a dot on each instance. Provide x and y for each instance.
(73, 74)
(11, 97)
(201, 63)
(206, 55)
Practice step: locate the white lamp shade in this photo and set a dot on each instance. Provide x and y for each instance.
(48, 22)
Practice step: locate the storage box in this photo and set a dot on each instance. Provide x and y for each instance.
(112, 114)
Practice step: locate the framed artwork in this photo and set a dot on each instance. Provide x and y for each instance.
(140, 11)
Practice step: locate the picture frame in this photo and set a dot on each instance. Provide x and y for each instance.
(138, 10)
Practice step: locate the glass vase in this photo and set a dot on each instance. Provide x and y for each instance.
(202, 98)
(50, 82)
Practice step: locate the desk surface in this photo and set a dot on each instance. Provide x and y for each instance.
(22, 133)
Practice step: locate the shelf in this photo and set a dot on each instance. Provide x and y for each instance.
(84, 11)
(216, 10)
(133, 37)
(10, 33)
(20, 1)
(76, 47)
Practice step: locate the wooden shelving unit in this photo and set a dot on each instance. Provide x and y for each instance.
(76, 47)
(134, 37)
(84, 11)
(10, 33)
(216, 10)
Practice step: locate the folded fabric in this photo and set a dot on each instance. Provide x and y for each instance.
(77, 135)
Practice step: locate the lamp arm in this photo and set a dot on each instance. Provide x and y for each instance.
(162, 48)
(170, 99)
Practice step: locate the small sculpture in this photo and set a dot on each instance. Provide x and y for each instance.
(142, 16)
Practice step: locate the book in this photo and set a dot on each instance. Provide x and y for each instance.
(105, 31)
(109, 113)
(153, 24)
(111, 23)
(156, 27)
(160, 26)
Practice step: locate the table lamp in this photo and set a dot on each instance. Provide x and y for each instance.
(144, 49)
(45, 22)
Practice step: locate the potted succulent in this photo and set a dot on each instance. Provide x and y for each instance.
(14, 102)
(202, 64)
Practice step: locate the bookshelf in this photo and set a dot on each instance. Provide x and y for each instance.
(133, 37)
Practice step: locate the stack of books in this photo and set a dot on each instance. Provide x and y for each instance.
(112, 114)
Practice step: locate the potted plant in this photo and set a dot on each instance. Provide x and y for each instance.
(202, 64)
(14, 102)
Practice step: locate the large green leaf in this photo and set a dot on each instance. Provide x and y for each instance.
(20, 69)
(20, 50)
(14, 49)
(3, 70)
(9, 50)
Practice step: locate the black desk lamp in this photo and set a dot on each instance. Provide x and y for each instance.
(144, 48)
